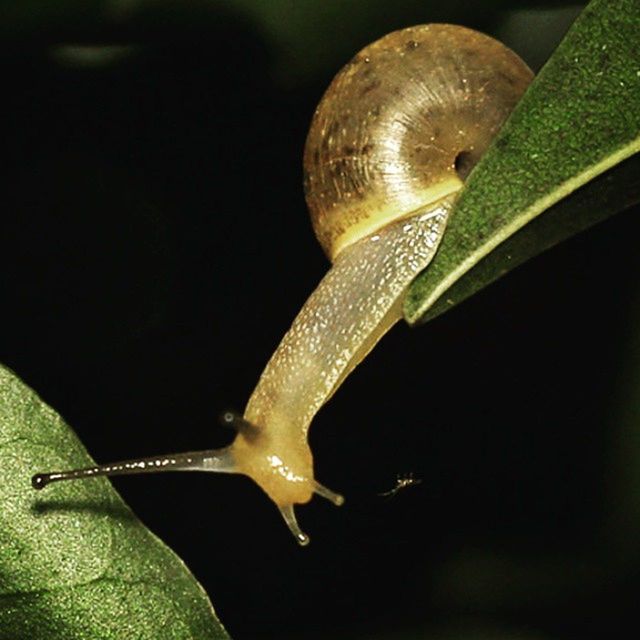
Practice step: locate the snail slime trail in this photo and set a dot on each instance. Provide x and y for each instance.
(395, 134)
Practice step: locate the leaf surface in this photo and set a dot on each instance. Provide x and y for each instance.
(75, 563)
(579, 118)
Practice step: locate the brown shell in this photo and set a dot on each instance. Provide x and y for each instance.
(398, 120)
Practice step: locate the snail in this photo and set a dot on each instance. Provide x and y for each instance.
(392, 140)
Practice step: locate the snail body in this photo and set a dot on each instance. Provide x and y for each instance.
(389, 146)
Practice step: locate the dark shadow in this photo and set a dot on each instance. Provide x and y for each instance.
(118, 511)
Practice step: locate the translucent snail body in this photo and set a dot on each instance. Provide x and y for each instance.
(390, 143)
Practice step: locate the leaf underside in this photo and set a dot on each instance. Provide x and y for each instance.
(578, 120)
(75, 563)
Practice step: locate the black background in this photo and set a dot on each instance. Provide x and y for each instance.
(155, 247)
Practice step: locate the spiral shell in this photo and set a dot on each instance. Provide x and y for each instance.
(402, 124)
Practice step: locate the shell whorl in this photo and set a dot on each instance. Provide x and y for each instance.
(402, 124)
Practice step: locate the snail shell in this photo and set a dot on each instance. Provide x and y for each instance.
(402, 124)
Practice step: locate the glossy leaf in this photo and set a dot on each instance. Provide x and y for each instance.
(75, 563)
(580, 118)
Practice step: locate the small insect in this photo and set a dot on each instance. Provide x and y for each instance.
(402, 482)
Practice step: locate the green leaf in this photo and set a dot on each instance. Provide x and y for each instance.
(75, 563)
(580, 118)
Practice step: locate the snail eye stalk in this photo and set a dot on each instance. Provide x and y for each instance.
(215, 460)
